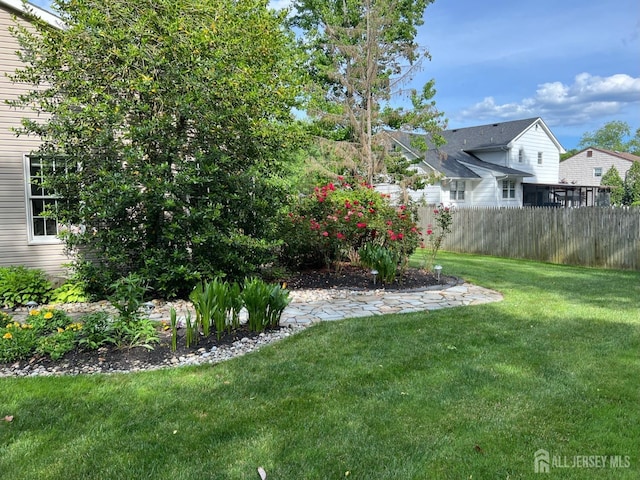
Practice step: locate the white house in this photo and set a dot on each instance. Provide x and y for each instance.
(26, 237)
(508, 164)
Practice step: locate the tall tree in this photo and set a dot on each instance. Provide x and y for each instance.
(166, 121)
(361, 53)
(615, 135)
(613, 179)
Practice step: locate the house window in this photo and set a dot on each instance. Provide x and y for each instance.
(508, 189)
(597, 172)
(43, 227)
(539, 158)
(589, 153)
(520, 156)
(457, 190)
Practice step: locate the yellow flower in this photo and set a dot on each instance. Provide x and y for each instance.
(60, 330)
(8, 336)
(34, 312)
(48, 315)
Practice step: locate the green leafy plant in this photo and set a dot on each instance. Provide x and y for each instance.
(380, 259)
(141, 333)
(217, 304)
(98, 330)
(127, 297)
(264, 303)
(174, 329)
(5, 318)
(72, 291)
(57, 344)
(277, 302)
(130, 327)
(17, 341)
(19, 285)
(191, 336)
(203, 298)
(206, 165)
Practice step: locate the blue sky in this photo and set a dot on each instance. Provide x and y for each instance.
(574, 63)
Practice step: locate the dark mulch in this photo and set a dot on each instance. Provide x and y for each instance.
(356, 278)
(114, 359)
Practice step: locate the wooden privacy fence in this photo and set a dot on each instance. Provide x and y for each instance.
(606, 237)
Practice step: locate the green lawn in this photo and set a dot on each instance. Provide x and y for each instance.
(464, 393)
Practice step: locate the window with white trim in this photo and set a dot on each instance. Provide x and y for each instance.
(41, 204)
(539, 158)
(597, 172)
(457, 189)
(508, 189)
(520, 155)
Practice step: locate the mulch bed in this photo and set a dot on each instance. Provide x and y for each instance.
(111, 358)
(356, 278)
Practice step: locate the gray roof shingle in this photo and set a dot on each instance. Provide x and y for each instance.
(452, 158)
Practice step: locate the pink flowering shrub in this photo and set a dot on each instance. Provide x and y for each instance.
(341, 217)
(435, 234)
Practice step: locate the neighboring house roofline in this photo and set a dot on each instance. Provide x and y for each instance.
(540, 122)
(622, 155)
(26, 8)
(492, 167)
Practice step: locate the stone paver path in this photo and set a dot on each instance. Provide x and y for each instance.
(309, 306)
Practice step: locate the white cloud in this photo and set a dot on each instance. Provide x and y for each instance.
(588, 98)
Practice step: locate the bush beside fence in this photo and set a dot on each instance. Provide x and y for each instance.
(606, 237)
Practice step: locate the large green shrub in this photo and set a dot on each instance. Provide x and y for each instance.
(179, 114)
(19, 285)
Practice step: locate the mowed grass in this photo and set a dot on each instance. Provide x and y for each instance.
(461, 393)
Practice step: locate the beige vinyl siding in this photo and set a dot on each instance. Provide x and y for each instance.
(578, 170)
(14, 240)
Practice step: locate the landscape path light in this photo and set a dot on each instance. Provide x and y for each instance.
(438, 269)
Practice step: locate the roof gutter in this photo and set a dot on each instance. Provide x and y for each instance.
(26, 8)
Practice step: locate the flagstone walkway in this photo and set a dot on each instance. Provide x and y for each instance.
(312, 306)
